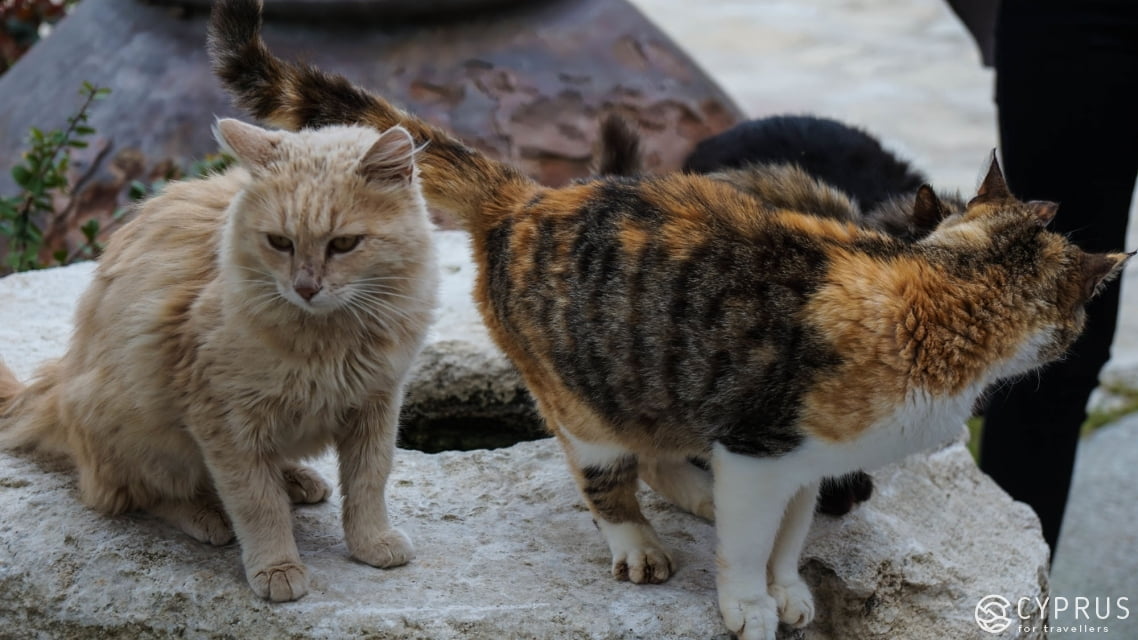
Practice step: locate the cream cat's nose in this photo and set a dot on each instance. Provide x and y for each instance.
(306, 282)
(307, 290)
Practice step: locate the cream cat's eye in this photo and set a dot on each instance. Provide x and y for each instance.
(280, 243)
(343, 244)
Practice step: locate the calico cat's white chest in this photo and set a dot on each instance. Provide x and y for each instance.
(923, 422)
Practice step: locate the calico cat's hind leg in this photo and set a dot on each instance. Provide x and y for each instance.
(683, 483)
(304, 485)
(203, 520)
(607, 476)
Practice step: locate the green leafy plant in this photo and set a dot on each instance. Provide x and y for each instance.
(1125, 402)
(211, 164)
(42, 173)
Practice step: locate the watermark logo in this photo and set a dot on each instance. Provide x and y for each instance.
(992, 613)
(1051, 614)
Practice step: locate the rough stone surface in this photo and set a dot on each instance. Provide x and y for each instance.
(464, 393)
(505, 546)
(1095, 558)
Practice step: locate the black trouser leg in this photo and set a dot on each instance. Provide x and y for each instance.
(1065, 74)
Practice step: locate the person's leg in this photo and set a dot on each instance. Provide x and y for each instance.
(1064, 74)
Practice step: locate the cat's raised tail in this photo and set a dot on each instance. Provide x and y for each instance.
(28, 417)
(619, 150)
(294, 96)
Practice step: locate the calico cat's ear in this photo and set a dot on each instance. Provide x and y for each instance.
(928, 210)
(1043, 211)
(1100, 268)
(253, 146)
(391, 160)
(994, 187)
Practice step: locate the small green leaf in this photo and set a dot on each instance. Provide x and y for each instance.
(138, 190)
(84, 130)
(60, 256)
(78, 144)
(90, 230)
(21, 175)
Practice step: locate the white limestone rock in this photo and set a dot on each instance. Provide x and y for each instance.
(505, 547)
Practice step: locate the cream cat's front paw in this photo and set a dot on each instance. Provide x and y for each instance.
(305, 486)
(202, 521)
(388, 549)
(750, 616)
(210, 525)
(795, 604)
(280, 582)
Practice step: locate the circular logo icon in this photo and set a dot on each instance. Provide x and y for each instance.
(992, 613)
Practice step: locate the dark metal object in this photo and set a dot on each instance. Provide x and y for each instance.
(526, 85)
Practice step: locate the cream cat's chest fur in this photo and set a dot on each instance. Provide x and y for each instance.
(298, 383)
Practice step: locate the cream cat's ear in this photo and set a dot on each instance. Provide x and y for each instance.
(391, 160)
(253, 146)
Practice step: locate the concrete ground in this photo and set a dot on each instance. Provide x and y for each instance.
(907, 71)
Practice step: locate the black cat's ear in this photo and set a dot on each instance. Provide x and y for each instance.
(391, 160)
(1043, 211)
(253, 146)
(1100, 268)
(994, 187)
(928, 210)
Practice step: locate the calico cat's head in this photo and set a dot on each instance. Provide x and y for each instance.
(1046, 279)
(330, 219)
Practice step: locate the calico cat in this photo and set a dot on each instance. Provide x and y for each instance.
(236, 325)
(663, 317)
(778, 181)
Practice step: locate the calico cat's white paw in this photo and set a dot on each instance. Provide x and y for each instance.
(637, 555)
(305, 486)
(388, 549)
(795, 604)
(750, 617)
(280, 582)
(646, 565)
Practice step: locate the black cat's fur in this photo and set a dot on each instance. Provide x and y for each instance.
(840, 155)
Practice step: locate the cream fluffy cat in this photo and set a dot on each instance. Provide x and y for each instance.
(240, 323)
